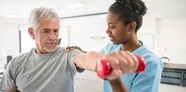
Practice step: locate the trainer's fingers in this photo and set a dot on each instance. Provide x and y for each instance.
(70, 48)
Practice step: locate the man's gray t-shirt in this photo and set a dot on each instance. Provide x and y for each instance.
(51, 72)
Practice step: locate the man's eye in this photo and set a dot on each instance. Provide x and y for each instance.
(56, 31)
(45, 31)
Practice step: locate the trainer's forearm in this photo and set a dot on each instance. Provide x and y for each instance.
(14, 90)
(117, 85)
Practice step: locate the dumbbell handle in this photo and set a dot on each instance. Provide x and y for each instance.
(103, 68)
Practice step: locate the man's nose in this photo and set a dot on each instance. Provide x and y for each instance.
(52, 36)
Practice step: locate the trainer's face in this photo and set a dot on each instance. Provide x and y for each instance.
(117, 30)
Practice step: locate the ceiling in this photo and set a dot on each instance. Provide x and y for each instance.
(22, 8)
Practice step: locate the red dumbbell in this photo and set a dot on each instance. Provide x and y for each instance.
(103, 68)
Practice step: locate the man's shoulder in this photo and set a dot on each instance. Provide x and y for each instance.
(19, 58)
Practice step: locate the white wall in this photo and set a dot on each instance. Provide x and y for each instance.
(9, 34)
(171, 39)
(87, 32)
(9, 42)
(9, 37)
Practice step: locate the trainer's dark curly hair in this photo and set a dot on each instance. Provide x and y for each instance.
(129, 11)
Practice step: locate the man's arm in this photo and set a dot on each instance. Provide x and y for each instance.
(120, 62)
(87, 60)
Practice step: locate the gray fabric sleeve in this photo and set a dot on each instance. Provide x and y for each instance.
(73, 54)
(8, 80)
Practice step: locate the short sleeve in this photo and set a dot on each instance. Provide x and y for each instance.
(8, 81)
(72, 54)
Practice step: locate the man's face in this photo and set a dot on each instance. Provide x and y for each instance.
(46, 35)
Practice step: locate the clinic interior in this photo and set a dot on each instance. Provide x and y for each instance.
(163, 30)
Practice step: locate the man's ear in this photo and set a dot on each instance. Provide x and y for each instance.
(31, 32)
(132, 26)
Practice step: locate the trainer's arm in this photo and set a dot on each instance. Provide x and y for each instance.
(117, 85)
(15, 90)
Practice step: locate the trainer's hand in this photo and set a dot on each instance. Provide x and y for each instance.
(70, 48)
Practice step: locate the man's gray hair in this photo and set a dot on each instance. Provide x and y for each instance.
(41, 13)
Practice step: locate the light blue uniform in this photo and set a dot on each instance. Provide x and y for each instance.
(147, 81)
